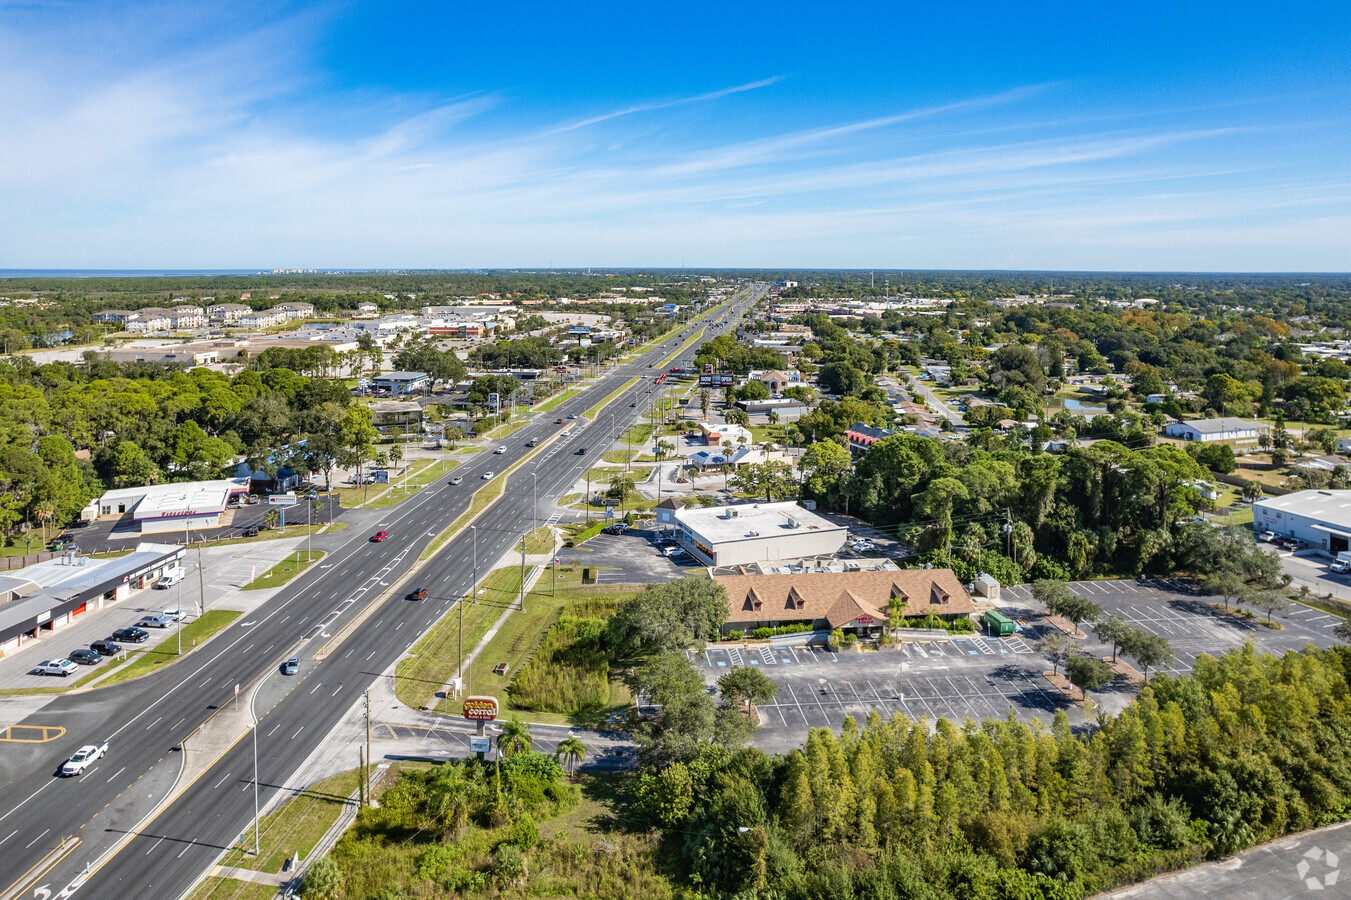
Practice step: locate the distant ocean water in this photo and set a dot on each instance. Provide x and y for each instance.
(117, 273)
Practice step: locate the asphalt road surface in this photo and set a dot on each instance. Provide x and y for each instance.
(147, 721)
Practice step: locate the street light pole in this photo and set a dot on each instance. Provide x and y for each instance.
(255, 790)
(473, 591)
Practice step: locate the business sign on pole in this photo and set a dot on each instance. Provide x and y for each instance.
(480, 744)
(480, 708)
(282, 500)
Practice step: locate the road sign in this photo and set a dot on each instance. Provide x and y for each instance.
(480, 708)
(282, 500)
(236, 690)
(480, 744)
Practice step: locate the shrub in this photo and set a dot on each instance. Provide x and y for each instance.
(849, 639)
(322, 879)
(434, 861)
(524, 833)
(796, 628)
(735, 634)
(569, 673)
(761, 633)
(509, 863)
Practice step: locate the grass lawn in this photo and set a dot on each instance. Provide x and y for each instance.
(504, 430)
(24, 548)
(434, 658)
(541, 540)
(215, 888)
(557, 400)
(523, 632)
(297, 825)
(285, 570)
(620, 457)
(771, 433)
(637, 434)
(425, 472)
(196, 632)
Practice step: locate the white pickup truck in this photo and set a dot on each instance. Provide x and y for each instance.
(85, 757)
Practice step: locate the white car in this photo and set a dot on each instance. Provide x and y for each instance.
(85, 757)
(62, 667)
(864, 546)
(499, 451)
(1267, 537)
(175, 614)
(488, 475)
(1340, 567)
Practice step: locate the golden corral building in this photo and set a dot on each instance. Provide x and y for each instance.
(851, 601)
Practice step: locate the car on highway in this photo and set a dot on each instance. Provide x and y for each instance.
(457, 479)
(62, 667)
(558, 421)
(572, 417)
(488, 475)
(499, 451)
(85, 657)
(155, 620)
(105, 648)
(632, 405)
(533, 442)
(83, 758)
(251, 531)
(419, 594)
(581, 451)
(379, 535)
(291, 666)
(131, 635)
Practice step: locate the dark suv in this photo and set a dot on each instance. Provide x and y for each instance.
(105, 648)
(131, 635)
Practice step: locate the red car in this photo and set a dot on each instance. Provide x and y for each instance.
(419, 594)
(380, 535)
(558, 421)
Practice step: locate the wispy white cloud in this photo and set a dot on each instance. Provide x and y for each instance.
(662, 104)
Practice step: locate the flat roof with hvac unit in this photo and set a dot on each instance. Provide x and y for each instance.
(754, 532)
(158, 508)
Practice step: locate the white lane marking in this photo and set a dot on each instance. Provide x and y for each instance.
(115, 774)
(36, 839)
(297, 734)
(10, 835)
(224, 778)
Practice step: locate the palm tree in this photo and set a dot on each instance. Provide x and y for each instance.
(515, 737)
(572, 751)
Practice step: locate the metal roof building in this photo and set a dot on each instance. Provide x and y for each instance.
(1319, 518)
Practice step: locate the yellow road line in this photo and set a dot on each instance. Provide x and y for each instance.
(19, 734)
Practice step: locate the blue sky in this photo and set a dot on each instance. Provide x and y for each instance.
(1145, 136)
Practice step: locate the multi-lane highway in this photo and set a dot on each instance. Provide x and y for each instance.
(146, 721)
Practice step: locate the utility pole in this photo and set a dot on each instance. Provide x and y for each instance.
(368, 745)
(361, 777)
(255, 790)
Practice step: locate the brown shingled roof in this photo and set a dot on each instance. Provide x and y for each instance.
(842, 597)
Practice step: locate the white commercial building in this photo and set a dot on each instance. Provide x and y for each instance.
(1228, 428)
(169, 508)
(755, 532)
(39, 599)
(1320, 518)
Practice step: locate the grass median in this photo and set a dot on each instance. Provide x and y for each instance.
(556, 401)
(541, 540)
(195, 633)
(285, 570)
(218, 888)
(435, 657)
(297, 825)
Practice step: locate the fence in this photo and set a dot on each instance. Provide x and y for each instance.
(18, 562)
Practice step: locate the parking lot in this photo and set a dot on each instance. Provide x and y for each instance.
(980, 676)
(1192, 622)
(973, 677)
(631, 555)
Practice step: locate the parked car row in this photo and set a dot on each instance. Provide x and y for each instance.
(109, 646)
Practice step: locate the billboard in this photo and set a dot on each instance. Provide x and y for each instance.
(282, 500)
(716, 379)
(480, 708)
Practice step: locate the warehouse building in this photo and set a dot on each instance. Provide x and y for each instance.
(176, 507)
(755, 532)
(39, 599)
(1319, 518)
